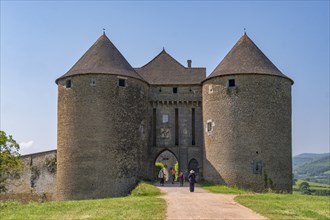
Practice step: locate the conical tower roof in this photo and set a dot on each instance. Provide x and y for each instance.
(246, 58)
(102, 58)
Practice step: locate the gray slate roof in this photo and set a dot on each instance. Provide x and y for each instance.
(246, 58)
(165, 70)
(102, 58)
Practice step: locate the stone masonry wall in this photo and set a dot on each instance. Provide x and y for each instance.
(250, 137)
(102, 136)
(38, 177)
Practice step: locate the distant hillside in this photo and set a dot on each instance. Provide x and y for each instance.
(302, 159)
(317, 170)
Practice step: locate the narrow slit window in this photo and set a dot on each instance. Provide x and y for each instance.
(68, 83)
(193, 142)
(257, 167)
(175, 90)
(154, 127)
(122, 82)
(176, 126)
(209, 126)
(93, 82)
(231, 83)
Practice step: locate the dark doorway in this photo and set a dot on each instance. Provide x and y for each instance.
(193, 165)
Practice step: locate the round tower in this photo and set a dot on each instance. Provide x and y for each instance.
(247, 121)
(102, 119)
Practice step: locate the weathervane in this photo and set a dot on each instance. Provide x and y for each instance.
(103, 31)
(244, 31)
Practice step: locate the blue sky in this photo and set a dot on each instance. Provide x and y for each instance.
(41, 40)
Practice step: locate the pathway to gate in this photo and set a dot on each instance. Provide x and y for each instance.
(201, 204)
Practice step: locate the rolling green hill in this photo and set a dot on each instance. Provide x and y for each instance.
(302, 159)
(315, 168)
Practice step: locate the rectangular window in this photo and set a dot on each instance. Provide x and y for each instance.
(209, 126)
(165, 118)
(175, 90)
(193, 126)
(122, 82)
(257, 167)
(154, 127)
(68, 83)
(176, 126)
(231, 83)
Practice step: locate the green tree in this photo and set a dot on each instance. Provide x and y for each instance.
(10, 160)
(304, 188)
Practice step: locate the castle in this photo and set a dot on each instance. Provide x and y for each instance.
(114, 120)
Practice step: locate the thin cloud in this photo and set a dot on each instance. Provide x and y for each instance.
(25, 145)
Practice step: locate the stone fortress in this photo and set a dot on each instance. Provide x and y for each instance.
(232, 127)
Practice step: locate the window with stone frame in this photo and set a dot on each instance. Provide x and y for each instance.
(121, 82)
(257, 167)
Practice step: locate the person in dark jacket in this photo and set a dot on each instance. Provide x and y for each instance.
(192, 180)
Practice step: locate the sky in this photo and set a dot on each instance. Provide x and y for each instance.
(41, 40)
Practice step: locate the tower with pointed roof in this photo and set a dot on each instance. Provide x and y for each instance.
(102, 125)
(247, 121)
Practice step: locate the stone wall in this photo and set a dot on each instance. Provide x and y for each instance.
(249, 136)
(37, 180)
(102, 136)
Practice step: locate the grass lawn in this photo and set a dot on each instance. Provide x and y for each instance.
(287, 206)
(143, 203)
(222, 188)
(279, 206)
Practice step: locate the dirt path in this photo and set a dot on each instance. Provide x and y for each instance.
(182, 204)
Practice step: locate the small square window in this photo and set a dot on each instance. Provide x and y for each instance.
(175, 90)
(231, 83)
(122, 82)
(68, 83)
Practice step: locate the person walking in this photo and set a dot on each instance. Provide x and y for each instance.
(192, 180)
(181, 178)
(172, 171)
(161, 176)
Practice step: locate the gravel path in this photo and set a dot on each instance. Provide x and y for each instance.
(201, 204)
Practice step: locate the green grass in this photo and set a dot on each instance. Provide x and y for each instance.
(222, 188)
(279, 206)
(287, 206)
(143, 203)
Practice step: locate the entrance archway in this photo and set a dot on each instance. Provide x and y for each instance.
(168, 161)
(193, 165)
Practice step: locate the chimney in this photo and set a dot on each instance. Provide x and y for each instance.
(189, 63)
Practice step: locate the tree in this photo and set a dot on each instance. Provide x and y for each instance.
(304, 188)
(10, 160)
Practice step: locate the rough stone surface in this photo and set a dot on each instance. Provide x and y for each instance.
(251, 123)
(102, 139)
(36, 179)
